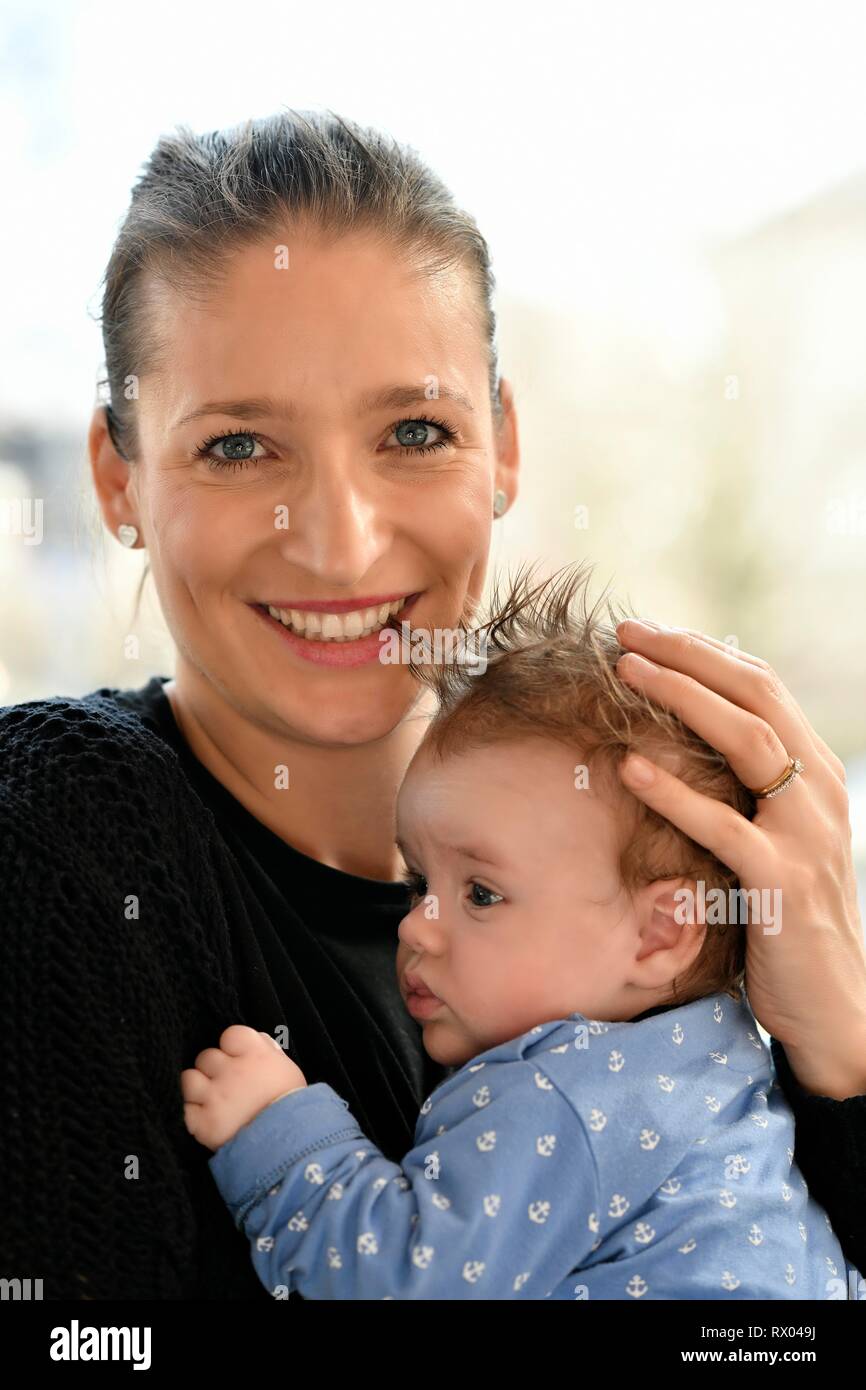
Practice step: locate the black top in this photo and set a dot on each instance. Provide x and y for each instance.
(321, 956)
(147, 910)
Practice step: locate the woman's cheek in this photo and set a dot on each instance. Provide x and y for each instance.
(201, 555)
(456, 538)
(207, 537)
(463, 518)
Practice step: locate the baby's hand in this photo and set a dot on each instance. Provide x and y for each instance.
(231, 1083)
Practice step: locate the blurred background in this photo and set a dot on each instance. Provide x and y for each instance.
(675, 200)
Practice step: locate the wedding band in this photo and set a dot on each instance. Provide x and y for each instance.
(794, 768)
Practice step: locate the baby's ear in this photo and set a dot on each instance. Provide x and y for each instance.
(678, 899)
(671, 926)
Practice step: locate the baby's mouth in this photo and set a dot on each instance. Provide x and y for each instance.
(419, 999)
(423, 1005)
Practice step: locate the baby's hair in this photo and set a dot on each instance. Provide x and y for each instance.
(550, 656)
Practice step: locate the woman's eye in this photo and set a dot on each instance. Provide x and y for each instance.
(237, 450)
(420, 436)
(231, 452)
(487, 893)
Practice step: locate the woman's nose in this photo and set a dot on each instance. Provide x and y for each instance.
(338, 526)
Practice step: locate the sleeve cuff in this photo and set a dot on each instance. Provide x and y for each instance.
(801, 1099)
(263, 1151)
(830, 1150)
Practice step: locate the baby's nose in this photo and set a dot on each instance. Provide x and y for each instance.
(420, 927)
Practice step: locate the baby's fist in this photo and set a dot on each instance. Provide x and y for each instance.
(231, 1083)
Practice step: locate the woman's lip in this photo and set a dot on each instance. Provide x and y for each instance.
(359, 651)
(336, 605)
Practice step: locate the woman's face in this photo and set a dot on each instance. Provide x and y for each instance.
(314, 495)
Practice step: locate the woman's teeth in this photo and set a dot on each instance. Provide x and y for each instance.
(337, 627)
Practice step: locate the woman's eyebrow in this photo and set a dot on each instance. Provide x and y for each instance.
(392, 397)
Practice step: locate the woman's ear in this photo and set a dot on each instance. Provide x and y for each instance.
(507, 444)
(671, 931)
(111, 475)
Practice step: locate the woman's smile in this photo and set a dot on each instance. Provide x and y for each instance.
(336, 635)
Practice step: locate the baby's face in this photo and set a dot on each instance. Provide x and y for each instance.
(520, 917)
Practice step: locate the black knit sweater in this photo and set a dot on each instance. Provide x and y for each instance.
(144, 910)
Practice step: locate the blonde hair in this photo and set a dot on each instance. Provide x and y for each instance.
(549, 673)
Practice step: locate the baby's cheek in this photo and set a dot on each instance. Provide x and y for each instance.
(450, 1042)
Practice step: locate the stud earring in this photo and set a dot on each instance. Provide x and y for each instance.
(127, 535)
(499, 500)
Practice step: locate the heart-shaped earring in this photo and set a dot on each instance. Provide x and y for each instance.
(127, 535)
(500, 498)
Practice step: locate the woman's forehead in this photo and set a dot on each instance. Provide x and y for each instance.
(355, 277)
(337, 328)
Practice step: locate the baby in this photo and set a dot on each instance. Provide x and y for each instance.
(611, 1127)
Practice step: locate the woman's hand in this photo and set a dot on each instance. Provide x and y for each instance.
(230, 1084)
(806, 982)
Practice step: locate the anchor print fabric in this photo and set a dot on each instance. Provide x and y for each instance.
(580, 1160)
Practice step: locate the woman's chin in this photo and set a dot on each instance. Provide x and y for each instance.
(335, 728)
(327, 714)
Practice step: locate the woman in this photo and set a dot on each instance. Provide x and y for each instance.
(308, 434)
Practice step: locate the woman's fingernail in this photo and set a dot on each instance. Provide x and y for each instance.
(641, 624)
(638, 770)
(634, 662)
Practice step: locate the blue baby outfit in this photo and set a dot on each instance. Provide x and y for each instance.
(581, 1160)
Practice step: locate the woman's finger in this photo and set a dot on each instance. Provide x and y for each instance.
(711, 641)
(751, 746)
(743, 684)
(837, 767)
(714, 824)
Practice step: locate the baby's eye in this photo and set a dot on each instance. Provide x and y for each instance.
(488, 892)
(416, 883)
